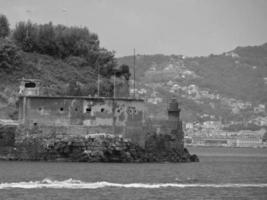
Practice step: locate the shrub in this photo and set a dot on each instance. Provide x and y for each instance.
(10, 55)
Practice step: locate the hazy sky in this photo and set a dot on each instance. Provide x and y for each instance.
(188, 27)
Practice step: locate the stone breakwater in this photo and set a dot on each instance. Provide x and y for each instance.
(94, 148)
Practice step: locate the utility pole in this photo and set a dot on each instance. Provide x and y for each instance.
(98, 77)
(134, 70)
(114, 85)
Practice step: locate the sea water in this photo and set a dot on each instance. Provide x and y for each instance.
(222, 173)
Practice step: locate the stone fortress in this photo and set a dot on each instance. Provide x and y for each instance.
(58, 118)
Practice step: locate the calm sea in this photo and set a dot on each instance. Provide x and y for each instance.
(222, 173)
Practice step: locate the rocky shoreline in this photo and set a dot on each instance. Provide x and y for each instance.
(95, 148)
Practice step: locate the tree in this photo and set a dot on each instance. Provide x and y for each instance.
(46, 39)
(124, 70)
(4, 26)
(26, 36)
(10, 56)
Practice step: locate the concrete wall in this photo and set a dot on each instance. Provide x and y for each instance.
(173, 128)
(82, 115)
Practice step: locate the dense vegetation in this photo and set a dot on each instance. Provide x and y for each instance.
(63, 42)
(10, 55)
(4, 26)
(31, 45)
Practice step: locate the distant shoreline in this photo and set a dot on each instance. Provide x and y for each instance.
(189, 146)
(228, 151)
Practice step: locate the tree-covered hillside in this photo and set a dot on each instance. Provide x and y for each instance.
(229, 86)
(67, 60)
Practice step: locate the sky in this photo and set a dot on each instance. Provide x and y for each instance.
(187, 27)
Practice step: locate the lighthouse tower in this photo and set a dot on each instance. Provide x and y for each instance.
(175, 125)
(174, 110)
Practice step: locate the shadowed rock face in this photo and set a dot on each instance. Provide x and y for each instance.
(96, 148)
(7, 135)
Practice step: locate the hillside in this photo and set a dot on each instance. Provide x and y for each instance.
(55, 75)
(67, 60)
(230, 87)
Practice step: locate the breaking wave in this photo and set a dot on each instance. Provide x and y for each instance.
(77, 184)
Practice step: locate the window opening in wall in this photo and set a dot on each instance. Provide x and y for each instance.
(35, 123)
(88, 109)
(30, 85)
(61, 109)
(102, 109)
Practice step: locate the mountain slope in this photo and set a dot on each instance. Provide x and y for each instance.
(56, 75)
(229, 87)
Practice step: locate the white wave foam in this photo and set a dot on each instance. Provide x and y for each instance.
(77, 184)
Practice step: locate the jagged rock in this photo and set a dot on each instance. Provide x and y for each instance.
(99, 149)
(194, 158)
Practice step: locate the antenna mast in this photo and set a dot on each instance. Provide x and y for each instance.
(98, 79)
(134, 70)
(114, 85)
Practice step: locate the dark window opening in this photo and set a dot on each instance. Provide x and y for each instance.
(30, 85)
(88, 109)
(35, 123)
(61, 109)
(76, 109)
(118, 110)
(102, 109)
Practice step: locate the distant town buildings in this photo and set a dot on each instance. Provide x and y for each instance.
(210, 133)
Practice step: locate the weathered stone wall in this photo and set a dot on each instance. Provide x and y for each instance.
(82, 115)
